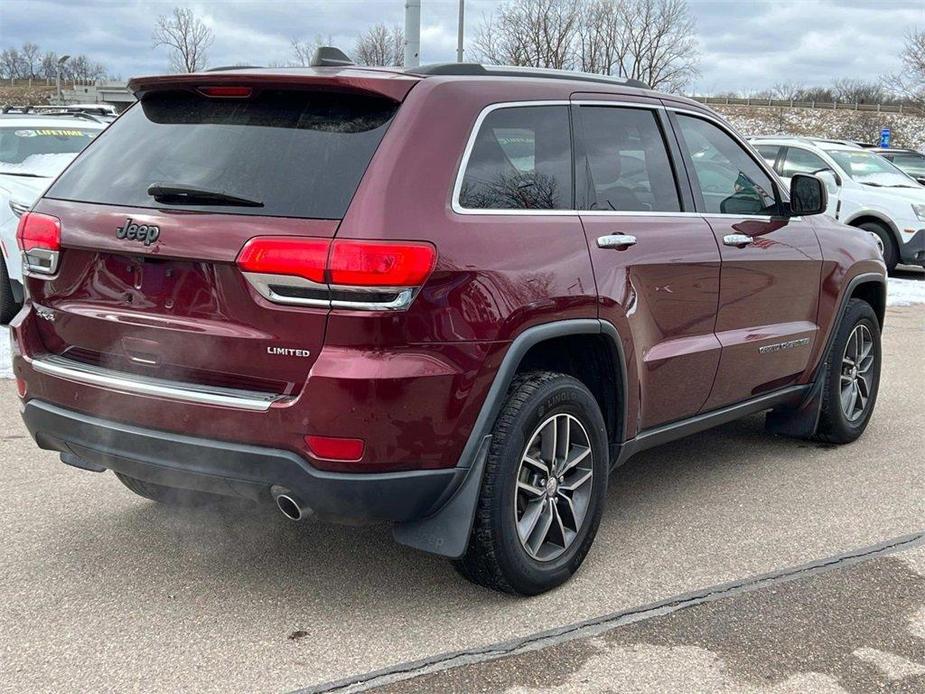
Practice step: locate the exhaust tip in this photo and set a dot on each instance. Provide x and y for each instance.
(289, 507)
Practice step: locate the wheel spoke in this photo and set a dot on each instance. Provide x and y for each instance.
(574, 458)
(563, 441)
(577, 482)
(853, 399)
(548, 444)
(568, 506)
(541, 531)
(529, 489)
(558, 527)
(527, 524)
(538, 464)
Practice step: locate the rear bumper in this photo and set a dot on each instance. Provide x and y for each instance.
(240, 470)
(912, 252)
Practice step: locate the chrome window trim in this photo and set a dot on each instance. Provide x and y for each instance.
(61, 367)
(476, 128)
(483, 114)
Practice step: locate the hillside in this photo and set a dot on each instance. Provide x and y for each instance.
(908, 130)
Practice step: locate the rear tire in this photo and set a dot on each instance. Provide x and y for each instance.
(852, 376)
(9, 307)
(886, 241)
(172, 496)
(548, 420)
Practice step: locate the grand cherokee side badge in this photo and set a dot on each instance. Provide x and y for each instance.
(146, 233)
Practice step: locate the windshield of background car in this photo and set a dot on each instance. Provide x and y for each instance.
(299, 153)
(910, 162)
(26, 149)
(870, 169)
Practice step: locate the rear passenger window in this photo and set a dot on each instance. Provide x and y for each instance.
(729, 180)
(623, 163)
(768, 153)
(799, 160)
(521, 160)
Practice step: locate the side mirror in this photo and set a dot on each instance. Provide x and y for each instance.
(808, 195)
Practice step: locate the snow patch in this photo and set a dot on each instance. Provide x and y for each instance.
(903, 292)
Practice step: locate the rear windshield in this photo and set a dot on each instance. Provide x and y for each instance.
(301, 154)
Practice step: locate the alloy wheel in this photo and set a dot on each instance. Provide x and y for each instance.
(857, 372)
(554, 481)
(879, 241)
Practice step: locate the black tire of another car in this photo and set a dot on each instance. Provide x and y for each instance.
(890, 251)
(8, 305)
(848, 363)
(498, 555)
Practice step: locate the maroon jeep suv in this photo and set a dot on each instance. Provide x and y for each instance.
(452, 298)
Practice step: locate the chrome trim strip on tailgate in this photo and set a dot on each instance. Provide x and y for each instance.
(54, 365)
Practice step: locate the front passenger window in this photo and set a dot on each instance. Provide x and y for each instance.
(729, 180)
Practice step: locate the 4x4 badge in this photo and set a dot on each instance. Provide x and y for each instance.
(146, 233)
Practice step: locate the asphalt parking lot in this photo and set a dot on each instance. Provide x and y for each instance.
(101, 590)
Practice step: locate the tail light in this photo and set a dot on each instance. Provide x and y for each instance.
(366, 275)
(226, 92)
(39, 238)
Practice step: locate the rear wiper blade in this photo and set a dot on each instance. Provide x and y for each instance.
(177, 193)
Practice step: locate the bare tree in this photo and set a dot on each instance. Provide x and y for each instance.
(30, 60)
(304, 51)
(186, 36)
(381, 46)
(11, 64)
(49, 66)
(535, 33)
(852, 91)
(909, 82)
(661, 45)
(601, 36)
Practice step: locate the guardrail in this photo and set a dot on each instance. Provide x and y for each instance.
(825, 105)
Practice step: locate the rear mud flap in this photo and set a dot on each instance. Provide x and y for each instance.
(446, 533)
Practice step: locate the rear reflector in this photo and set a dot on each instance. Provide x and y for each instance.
(38, 230)
(227, 92)
(21, 387)
(335, 448)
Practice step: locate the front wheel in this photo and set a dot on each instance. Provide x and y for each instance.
(543, 488)
(852, 376)
(885, 242)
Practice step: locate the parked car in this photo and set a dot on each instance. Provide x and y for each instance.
(865, 191)
(909, 161)
(453, 298)
(33, 150)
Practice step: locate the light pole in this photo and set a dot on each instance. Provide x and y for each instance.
(460, 30)
(412, 33)
(61, 61)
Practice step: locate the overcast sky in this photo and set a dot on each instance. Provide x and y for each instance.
(745, 44)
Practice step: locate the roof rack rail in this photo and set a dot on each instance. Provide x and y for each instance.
(329, 56)
(477, 69)
(223, 68)
(68, 114)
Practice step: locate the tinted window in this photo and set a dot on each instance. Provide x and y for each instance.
(521, 159)
(730, 181)
(623, 164)
(768, 153)
(300, 153)
(913, 164)
(799, 160)
(25, 145)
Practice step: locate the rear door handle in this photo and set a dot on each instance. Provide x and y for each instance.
(618, 241)
(737, 240)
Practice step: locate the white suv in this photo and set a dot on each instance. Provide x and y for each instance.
(34, 149)
(865, 191)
